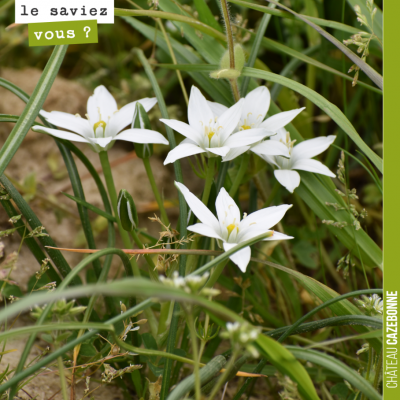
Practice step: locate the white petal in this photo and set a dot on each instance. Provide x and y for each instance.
(199, 112)
(204, 230)
(226, 207)
(271, 148)
(251, 233)
(278, 121)
(68, 121)
(236, 152)
(219, 151)
(271, 160)
(279, 236)
(101, 142)
(181, 151)
(246, 137)
(229, 120)
(73, 137)
(216, 108)
(184, 129)
(141, 136)
(256, 105)
(101, 105)
(240, 258)
(312, 147)
(123, 117)
(313, 166)
(198, 208)
(287, 178)
(265, 218)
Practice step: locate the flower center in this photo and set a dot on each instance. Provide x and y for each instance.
(99, 128)
(231, 227)
(288, 143)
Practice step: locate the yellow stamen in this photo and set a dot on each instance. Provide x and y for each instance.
(100, 124)
(244, 127)
(231, 227)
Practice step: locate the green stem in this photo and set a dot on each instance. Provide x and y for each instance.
(152, 272)
(378, 370)
(195, 349)
(239, 177)
(62, 378)
(223, 376)
(209, 179)
(216, 273)
(164, 217)
(105, 163)
(231, 48)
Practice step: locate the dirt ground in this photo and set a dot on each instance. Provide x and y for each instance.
(39, 154)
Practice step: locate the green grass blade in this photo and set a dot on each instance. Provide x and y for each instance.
(32, 108)
(367, 69)
(205, 14)
(331, 363)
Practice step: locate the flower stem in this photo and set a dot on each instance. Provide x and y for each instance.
(105, 163)
(216, 273)
(196, 369)
(231, 49)
(164, 217)
(272, 195)
(209, 180)
(378, 370)
(62, 378)
(239, 177)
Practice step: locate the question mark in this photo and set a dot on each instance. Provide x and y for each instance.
(87, 30)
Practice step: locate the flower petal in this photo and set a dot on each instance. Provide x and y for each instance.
(226, 208)
(204, 230)
(313, 166)
(229, 120)
(217, 108)
(181, 151)
(73, 137)
(256, 106)
(265, 218)
(123, 117)
(246, 137)
(219, 151)
(279, 236)
(287, 178)
(240, 258)
(136, 135)
(278, 121)
(199, 112)
(101, 142)
(198, 208)
(271, 148)
(101, 105)
(271, 160)
(71, 122)
(312, 147)
(184, 129)
(236, 152)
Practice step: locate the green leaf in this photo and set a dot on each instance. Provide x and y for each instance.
(347, 373)
(32, 108)
(205, 14)
(285, 362)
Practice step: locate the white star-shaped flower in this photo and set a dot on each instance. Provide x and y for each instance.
(208, 133)
(229, 229)
(255, 108)
(104, 123)
(300, 158)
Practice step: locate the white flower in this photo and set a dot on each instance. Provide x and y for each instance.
(229, 229)
(300, 158)
(208, 133)
(104, 123)
(255, 108)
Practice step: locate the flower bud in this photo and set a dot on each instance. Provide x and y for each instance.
(225, 71)
(141, 121)
(127, 211)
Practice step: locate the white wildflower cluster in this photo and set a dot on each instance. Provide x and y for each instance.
(242, 336)
(193, 284)
(373, 305)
